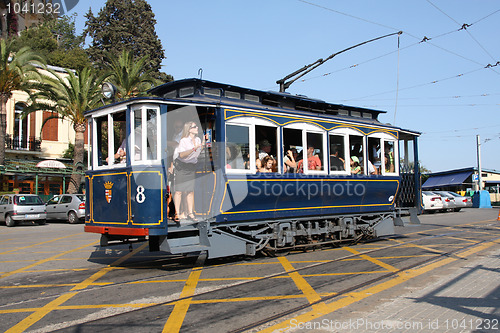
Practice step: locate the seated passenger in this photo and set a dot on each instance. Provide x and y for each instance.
(389, 159)
(371, 168)
(336, 163)
(267, 164)
(264, 149)
(355, 167)
(313, 161)
(289, 161)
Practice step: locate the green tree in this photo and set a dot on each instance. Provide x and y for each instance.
(131, 77)
(17, 72)
(124, 25)
(56, 40)
(68, 98)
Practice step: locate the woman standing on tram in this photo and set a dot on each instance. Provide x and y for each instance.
(185, 159)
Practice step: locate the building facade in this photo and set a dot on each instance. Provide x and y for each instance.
(465, 181)
(28, 143)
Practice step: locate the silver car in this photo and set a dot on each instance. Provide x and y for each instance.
(448, 200)
(15, 208)
(461, 201)
(68, 207)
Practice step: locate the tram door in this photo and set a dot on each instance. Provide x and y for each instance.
(180, 119)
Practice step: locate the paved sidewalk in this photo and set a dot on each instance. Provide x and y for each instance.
(464, 297)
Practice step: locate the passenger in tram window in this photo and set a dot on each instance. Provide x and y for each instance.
(371, 168)
(313, 161)
(389, 157)
(289, 161)
(186, 157)
(355, 166)
(121, 154)
(336, 163)
(264, 150)
(268, 164)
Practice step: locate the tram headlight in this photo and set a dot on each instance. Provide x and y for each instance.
(108, 90)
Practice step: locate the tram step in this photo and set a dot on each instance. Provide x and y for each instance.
(184, 245)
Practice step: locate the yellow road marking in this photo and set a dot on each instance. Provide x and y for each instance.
(44, 261)
(353, 297)
(394, 257)
(43, 311)
(143, 305)
(38, 244)
(373, 260)
(39, 314)
(104, 271)
(463, 239)
(311, 294)
(179, 312)
(51, 285)
(427, 248)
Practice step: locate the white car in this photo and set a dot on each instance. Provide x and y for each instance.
(432, 202)
(448, 200)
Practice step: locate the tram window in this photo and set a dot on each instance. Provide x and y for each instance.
(356, 154)
(119, 137)
(237, 147)
(337, 153)
(90, 158)
(266, 139)
(292, 140)
(137, 152)
(102, 140)
(389, 157)
(314, 150)
(152, 134)
(145, 133)
(374, 161)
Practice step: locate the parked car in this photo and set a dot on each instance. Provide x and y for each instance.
(432, 202)
(461, 201)
(68, 207)
(15, 208)
(448, 200)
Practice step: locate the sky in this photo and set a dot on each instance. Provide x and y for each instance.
(437, 78)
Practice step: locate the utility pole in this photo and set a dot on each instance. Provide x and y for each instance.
(479, 179)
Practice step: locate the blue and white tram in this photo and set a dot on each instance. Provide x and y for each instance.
(239, 208)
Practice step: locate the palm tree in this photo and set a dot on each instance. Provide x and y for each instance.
(130, 76)
(17, 72)
(68, 98)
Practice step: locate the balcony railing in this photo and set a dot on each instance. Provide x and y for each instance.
(16, 143)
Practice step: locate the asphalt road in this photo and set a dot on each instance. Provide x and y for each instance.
(56, 277)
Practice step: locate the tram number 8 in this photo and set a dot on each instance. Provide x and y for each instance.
(140, 197)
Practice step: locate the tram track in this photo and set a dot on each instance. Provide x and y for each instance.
(45, 297)
(357, 287)
(439, 255)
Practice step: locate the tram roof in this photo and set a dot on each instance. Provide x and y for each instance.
(204, 91)
(209, 92)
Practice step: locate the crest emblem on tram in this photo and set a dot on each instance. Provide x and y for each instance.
(107, 191)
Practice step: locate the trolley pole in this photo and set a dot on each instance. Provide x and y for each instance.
(479, 178)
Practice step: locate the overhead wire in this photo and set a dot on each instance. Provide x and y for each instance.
(425, 39)
(464, 27)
